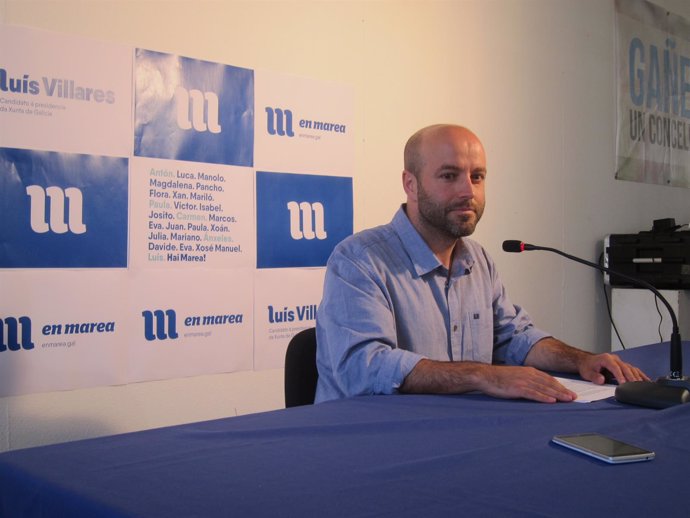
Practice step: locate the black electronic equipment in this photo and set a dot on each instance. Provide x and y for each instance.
(660, 256)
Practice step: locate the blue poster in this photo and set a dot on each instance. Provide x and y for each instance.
(62, 210)
(193, 110)
(300, 218)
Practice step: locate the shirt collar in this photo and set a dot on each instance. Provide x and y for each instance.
(423, 259)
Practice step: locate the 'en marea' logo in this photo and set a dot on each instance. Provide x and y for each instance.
(161, 325)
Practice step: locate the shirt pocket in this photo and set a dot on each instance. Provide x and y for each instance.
(477, 336)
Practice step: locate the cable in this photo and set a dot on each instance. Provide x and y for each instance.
(661, 319)
(608, 305)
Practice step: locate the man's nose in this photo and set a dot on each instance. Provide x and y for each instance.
(463, 187)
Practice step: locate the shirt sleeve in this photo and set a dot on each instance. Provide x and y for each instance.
(356, 334)
(514, 331)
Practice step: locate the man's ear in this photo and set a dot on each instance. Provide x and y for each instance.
(409, 184)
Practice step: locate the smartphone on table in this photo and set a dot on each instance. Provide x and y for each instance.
(603, 448)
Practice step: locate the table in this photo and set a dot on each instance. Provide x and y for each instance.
(406, 455)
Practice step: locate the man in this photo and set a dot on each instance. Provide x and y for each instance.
(416, 306)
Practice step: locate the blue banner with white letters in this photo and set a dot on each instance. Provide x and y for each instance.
(300, 218)
(62, 210)
(188, 109)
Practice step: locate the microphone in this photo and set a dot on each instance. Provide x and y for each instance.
(667, 391)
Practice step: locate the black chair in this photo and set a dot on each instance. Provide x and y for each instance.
(300, 369)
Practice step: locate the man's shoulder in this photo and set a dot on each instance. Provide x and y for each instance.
(371, 240)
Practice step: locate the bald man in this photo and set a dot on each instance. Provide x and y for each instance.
(417, 306)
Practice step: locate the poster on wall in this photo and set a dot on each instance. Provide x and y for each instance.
(160, 216)
(54, 336)
(303, 125)
(188, 109)
(64, 93)
(191, 215)
(285, 303)
(653, 79)
(199, 323)
(300, 218)
(63, 210)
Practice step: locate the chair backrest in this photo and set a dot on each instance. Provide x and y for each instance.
(300, 369)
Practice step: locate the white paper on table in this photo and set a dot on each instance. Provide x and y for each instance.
(586, 390)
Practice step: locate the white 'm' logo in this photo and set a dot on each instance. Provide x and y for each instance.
(202, 103)
(306, 220)
(57, 197)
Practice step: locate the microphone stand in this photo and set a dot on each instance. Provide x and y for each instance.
(666, 391)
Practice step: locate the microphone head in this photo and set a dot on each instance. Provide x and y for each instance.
(513, 245)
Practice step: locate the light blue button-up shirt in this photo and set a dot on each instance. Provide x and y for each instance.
(388, 302)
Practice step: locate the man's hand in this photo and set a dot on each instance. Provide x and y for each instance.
(591, 367)
(524, 382)
(434, 377)
(553, 355)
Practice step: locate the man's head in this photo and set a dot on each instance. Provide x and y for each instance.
(445, 170)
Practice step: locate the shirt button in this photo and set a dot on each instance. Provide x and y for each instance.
(455, 327)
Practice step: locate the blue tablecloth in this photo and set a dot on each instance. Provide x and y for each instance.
(370, 456)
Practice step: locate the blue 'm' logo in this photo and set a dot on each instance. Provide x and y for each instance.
(279, 122)
(193, 110)
(159, 324)
(15, 334)
(62, 210)
(300, 218)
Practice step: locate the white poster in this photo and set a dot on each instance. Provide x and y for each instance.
(62, 330)
(190, 322)
(653, 71)
(191, 215)
(285, 303)
(303, 125)
(64, 93)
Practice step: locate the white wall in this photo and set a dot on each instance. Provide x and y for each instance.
(534, 79)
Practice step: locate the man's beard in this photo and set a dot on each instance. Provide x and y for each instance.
(439, 218)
